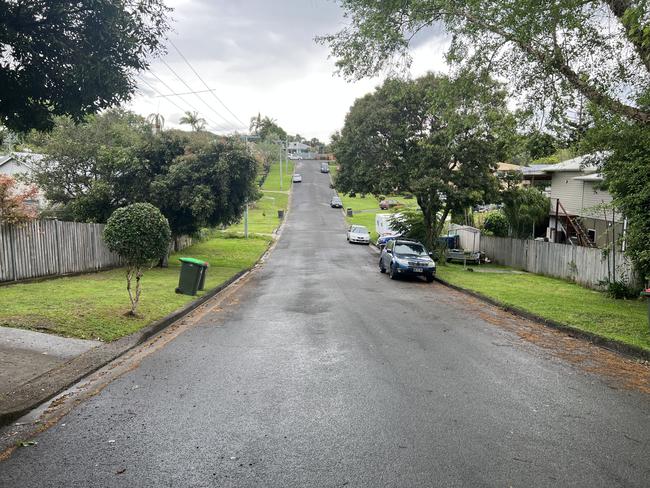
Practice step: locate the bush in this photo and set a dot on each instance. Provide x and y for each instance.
(620, 289)
(140, 234)
(496, 224)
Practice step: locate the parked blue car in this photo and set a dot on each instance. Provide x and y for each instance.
(403, 257)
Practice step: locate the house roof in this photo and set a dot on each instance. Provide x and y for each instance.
(5, 159)
(534, 170)
(590, 177)
(586, 164)
(508, 167)
(298, 145)
(22, 157)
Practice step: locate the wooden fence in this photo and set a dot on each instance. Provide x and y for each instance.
(52, 248)
(584, 265)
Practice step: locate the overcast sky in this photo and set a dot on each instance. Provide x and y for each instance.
(259, 56)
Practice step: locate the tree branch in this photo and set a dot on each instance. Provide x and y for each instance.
(619, 9)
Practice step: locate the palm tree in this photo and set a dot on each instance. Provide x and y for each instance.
(256, 124)
(157, 121)
(192, 118)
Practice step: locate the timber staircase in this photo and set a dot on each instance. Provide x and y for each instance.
(572, 226)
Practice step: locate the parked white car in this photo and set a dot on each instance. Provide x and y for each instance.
(358, 234)
(297, 178)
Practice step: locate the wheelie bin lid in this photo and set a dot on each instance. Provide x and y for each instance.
(198, 262)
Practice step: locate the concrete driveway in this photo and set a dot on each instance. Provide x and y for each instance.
(322, 372)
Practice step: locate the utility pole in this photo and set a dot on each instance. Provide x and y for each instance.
(280, 169)
(246, 221)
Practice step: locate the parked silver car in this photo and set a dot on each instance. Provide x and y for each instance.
(358, 234)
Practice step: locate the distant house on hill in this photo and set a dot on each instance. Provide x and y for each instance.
(298, 150)
(578, 212)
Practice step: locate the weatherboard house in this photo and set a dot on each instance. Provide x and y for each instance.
(18, 164)
(580, 212)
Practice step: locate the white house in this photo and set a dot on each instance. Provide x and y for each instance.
(20, 163)
(300, 150)
(578, 213)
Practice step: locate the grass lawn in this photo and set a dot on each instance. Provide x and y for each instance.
(365, 208)
(333, 170)
(263, 214)
(92, 306)
(272, 181)
(558, 300)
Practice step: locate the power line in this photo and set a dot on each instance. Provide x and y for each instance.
(218, 126)
(160, 94)
(197, 95)
(205, 84)
(184, 93)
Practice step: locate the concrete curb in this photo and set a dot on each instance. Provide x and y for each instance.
(619, 347)
(53, 382)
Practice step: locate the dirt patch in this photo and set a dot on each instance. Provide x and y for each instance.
(617, 370)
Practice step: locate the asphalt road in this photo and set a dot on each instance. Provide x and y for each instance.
(325, 373)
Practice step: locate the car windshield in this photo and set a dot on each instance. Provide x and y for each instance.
(360, 230)
(410, 249)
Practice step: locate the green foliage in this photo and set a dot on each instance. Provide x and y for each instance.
(206, 187)
(524, 208)
(435, 137)
(409, 222)
(496, 224)
(540, 144)
(620, 290)
(267, 128)
(139, 233)
(193, 120)
(554, 53)
(102, 164)
(73, 57)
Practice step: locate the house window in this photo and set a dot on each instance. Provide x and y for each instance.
(591, 234)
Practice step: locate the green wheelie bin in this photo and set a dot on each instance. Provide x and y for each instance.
(192, 277)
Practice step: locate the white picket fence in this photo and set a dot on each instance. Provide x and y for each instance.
(584, 265)
(53, 248)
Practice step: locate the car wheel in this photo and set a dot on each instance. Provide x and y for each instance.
(391, 272)
(429, 278)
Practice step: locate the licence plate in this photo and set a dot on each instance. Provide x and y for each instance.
(418, 270)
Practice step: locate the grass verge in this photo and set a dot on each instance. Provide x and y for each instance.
(263, 214)
(557, 300)
(92, 306)
(364, 209)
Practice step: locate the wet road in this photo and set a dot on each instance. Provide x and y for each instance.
(323, 372)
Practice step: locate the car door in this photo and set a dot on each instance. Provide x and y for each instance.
(387, 254)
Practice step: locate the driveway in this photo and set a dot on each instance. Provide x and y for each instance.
(322, 372)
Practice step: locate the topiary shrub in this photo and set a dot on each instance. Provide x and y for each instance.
(140, 234)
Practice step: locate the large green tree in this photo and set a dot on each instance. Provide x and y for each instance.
(550, 51)
(104, 163)
(561, 57)
(435, 137)
(206, 187)
(65, 57)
